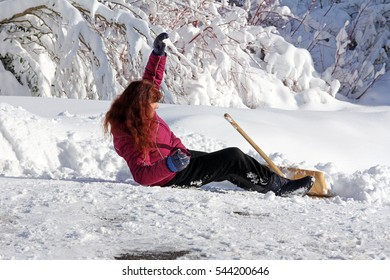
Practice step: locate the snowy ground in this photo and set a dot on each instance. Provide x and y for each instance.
(48, 219)
(67, 195)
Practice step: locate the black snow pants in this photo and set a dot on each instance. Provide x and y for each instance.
(227, 164)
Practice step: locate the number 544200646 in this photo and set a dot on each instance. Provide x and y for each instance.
(235, 270)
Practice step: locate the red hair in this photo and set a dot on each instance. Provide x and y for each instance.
(129, 112)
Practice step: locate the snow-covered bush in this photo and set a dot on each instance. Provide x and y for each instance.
(220, 54)
(348, 40)
(75, 49)
(219, 59)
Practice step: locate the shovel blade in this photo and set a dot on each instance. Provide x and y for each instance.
(319, 188)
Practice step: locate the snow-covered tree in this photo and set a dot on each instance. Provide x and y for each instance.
(348, 40)
(223, 53)
(75, 49)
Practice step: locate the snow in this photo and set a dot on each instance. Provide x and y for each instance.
(67, 195)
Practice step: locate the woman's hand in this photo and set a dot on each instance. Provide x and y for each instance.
(159, 45)
(178, 161)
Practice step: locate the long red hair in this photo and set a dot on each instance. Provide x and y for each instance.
(130, 111)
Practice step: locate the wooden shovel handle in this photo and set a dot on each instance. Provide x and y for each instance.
(257, 148)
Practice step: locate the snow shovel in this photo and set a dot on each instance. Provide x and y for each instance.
(319, 188)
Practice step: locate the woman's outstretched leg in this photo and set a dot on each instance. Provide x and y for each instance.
(237, 167)
(227, 164)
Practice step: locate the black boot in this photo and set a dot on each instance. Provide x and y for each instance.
(276, 183)
(296, 187)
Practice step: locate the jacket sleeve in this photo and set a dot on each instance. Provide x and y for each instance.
(154, 70)
(150, 174)
(143, 171)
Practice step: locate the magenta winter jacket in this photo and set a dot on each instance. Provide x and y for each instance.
(150, 168)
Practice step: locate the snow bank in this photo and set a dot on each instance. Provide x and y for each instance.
(33, 146)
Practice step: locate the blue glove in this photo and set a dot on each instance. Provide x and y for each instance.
(159, 45)
(178, 161)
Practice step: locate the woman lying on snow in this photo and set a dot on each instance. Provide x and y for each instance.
(156, 157)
